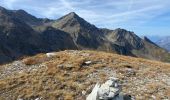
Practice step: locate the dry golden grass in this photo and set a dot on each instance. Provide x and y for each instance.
(35, 60)
(65, 75)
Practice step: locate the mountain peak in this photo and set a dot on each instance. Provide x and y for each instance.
(71, 15)
(72, 20)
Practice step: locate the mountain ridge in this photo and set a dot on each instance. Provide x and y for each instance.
(37, 35)
(126, 41)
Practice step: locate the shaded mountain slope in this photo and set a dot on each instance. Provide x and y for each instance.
(57, 39)
(19, 39)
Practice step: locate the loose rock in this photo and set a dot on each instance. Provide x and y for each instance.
(110, 90)
(50, 54)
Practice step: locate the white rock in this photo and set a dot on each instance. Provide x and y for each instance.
(113, 79)
(94, 94)
(109, 83)
(51, 54)
(107, 91)
(88, 62)
(83, 92)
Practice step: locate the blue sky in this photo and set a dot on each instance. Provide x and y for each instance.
(144, 17)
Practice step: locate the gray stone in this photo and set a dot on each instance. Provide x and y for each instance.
(110, 90)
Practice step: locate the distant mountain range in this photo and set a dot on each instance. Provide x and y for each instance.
(22, 34)
(162, 41)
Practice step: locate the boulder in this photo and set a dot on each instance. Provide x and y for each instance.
(110, 90)
(94, 94)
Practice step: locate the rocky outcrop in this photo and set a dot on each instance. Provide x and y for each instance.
(84, 34)
(110, 90)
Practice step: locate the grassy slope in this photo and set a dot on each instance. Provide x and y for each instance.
(65, 76)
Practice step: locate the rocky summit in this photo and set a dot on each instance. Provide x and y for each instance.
(75, 75)
(22, 34)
